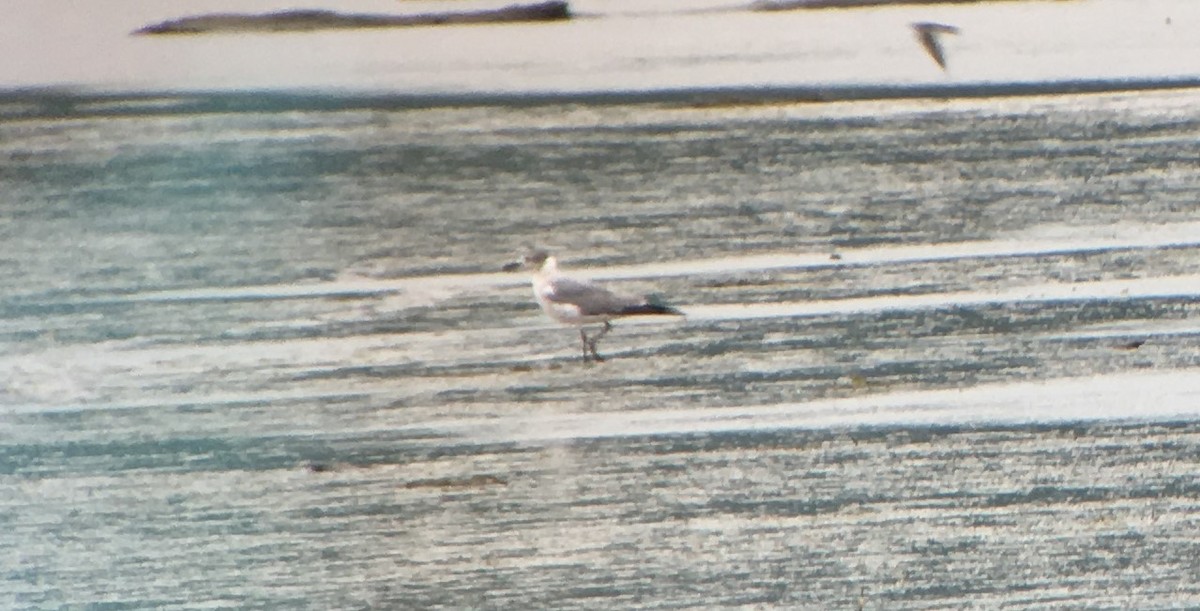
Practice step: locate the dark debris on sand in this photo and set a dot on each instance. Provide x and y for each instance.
(312, 20)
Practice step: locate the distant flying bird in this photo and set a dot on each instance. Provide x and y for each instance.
(581, 302)
(928, 35)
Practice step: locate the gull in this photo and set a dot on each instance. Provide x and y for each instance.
(581, 302)
(928, 33)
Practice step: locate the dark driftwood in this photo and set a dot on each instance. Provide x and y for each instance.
(310, 20)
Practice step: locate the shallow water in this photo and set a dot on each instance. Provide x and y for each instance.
(937, 354)
(256, 350)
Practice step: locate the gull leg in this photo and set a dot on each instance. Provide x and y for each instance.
(584, 339)
(603, 332)
(591, 343)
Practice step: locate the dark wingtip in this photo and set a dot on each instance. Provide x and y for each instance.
(650, 308)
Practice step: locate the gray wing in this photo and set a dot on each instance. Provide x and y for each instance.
(927, 34)
(933, 47)
(591, 299)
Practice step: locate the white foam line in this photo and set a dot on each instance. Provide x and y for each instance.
(1038, 242)
(1143, 329)
(1165, 286)
(1043, 241)
(450, 283)
(209, 400)
(1139, 396)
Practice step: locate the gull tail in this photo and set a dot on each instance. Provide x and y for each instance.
(649, 308)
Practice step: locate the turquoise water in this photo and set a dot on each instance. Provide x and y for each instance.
(938, 354)
(939, 350)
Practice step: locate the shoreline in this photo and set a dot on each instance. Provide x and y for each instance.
(23, 103)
